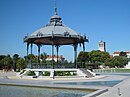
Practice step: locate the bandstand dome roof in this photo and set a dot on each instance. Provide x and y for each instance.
(55, 30)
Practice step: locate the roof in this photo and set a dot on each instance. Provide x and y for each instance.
(116, 53)
(50, 56)
(119, 52)
(55, 28)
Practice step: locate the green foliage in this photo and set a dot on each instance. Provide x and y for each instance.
(83, 57)
(74, 73)
(123, 54)
(40, 73)
(18, 70)
(122, 70)
(115, 70)
(8, 62)
(94, 58)
(117, 61)
(30, 73)
(98, 56)
(21, 63)
(58, 73)
(2, 57)
(65, 73)
(15, 59)
(31, 57)
(1, 61)
(1, 64)
(46, 73)
(43, 57)
(65, 62)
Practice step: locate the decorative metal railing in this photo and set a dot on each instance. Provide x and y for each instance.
(49, 65)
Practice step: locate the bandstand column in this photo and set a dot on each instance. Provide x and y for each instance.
(53, 49)
(31, 55)
(27, 53)
(38, 54)
(83, 47)
(52, 54)
(75, 55)
(57, 49)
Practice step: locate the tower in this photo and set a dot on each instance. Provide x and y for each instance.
(102, 46)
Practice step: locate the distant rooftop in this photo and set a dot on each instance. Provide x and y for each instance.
(119, 52)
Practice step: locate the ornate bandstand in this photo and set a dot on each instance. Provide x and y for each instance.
(56, 34)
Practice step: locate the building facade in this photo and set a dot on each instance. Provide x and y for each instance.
(118, 53)
(60, 58)
(102, 46)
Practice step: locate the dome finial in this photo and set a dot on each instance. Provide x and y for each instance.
(55, 8)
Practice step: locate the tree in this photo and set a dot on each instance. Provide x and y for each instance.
(2, 57)
(15, 59)
(117, 61)
(83, 57)
(32, 57)
(93, 59)
(8, 62)
(123, 54)
(1, 62)
(104, 56)
(21, 63)
(95, 56)
(43, 57)
(98, 58)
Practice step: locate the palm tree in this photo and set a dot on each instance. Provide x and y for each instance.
(15, 59)
(43, 57)
(8, 62)
(1, 62)
(21, 63)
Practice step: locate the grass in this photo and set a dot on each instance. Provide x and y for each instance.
(122, 70)
(116, 70)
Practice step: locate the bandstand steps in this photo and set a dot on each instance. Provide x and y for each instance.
(87, 72)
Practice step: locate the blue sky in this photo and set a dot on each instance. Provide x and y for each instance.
(107, 20)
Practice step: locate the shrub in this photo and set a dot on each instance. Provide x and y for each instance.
(30, 73)
(58, 73)
(40, 73)
(17, 70)
(46, 73)
(74, 73)
(65, 73)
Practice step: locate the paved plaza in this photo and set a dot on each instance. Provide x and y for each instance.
(119, 90)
